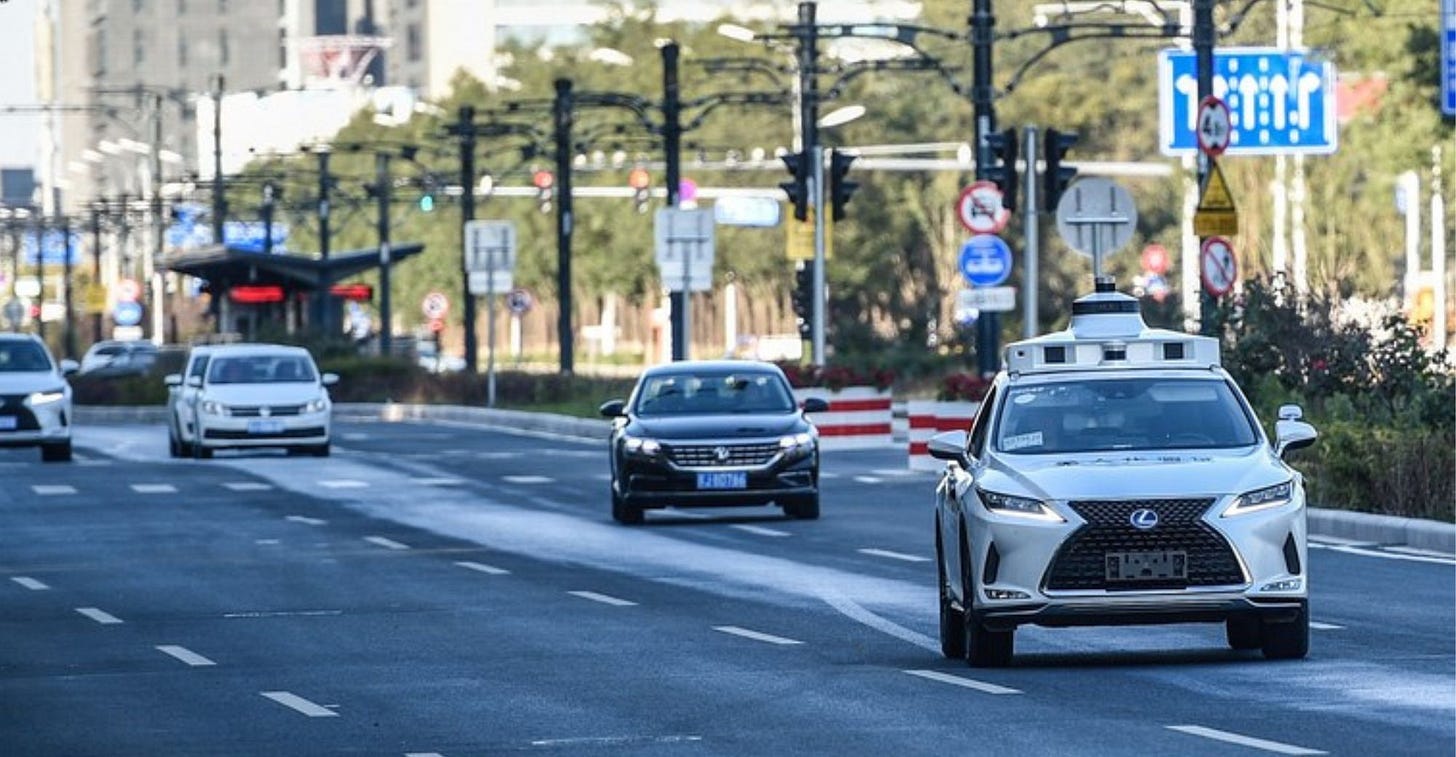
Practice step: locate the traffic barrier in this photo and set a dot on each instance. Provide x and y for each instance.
(931, 417)
(859, 417)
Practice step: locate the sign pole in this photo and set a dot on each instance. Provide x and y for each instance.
(1033, 239)
(817, 155)
(1203, 41)
(687, 300)
(489, 326)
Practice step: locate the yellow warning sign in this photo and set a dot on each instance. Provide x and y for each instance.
(94, 298)
(800, 235)
(1216, 214)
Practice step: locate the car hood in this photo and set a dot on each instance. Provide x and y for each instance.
(262, 394)
(29, 381)
(718, 426)
(1150, 474)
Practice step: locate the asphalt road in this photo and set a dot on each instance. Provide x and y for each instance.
(434, 589)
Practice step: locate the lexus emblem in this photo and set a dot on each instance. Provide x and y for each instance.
(264, 411)
(722, 454)
(1143, 519)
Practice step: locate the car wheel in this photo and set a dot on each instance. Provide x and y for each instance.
(174, 447)
(56, 453)
(203, 452)
(321, 450)
(624, 513)
(952, 628)
(1288, 640)
(803, 508)
(984, 648)
(1244, 632)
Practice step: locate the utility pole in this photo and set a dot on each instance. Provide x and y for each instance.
(219, 202)
(983, 34)
(1203, 39)
(467, 214)
(672, 149)
(268, 198)
(320, 294)
(40, 328)
(67, 290)
(97, 208)
(561, 118)
(382, 190)
(808, 69)
(159, 235)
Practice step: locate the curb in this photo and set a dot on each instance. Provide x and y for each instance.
(1418, 533)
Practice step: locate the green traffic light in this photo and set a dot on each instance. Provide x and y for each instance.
(427, 203)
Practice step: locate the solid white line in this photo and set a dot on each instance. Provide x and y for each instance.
(343, 484)
(438, 481)
(868, 479)
(755, 635)
(386, 543)
(185, 655)
(483, 568)
(894, 472)
(760, 530)
(1420, 552)
(969, 683)
(53, 489)
(298, 703)
(1323, 540)
(100, 616)
(528, 479)
(853, 611)
(423, 754)
(1318, 626)
(304, 519)
(248, 486)
(603, 598)
(894, 555)
(154, 488)
(1394, 555)
(1248, 741)
(29, 583)
(282, 613)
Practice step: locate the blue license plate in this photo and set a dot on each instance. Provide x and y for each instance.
(723, 480)
(265, 427)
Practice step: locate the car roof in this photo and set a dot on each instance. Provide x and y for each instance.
(726, 366)
(15, 336)
(248, 348)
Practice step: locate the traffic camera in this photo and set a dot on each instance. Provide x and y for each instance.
(840, 189)
(1055, 177)
(797, 188)
(1002, 169)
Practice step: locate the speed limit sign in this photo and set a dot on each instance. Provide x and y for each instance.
(435, 306)
(1214, 126)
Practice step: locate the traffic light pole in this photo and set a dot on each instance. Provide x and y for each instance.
(1032, 253)
(983, 25)
(467, 214)
(679, 301)
(70, 334)
(561, 117)
(320, 295)
(808, 35)
(816, 154)
(382, 186)
(1203, 40)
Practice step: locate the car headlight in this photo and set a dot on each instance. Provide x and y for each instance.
(796, 444)
(45, 398)
(634, 445)
(1019, 507)
(1262, 499)
(316, 406)
(213, 407)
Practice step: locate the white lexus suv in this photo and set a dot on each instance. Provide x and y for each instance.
(1115, 475)
(35, 400)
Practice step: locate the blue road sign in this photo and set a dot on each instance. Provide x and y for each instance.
(52, 246)
(1280, 102)
(248, 235)
(985, 260)
(127, 313)
(1448, 57)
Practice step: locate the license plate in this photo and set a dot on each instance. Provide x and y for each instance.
(265, 427)
(723, 480)
(1147, 566)
(8, 422)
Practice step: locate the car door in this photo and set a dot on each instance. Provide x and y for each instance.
(186, 397)
(956, 493)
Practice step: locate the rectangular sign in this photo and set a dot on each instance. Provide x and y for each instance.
(1448, 57)
(989, 299)
(1281, 102)
(800, 237)
(483, 283)
(684, 247)
(762, 212)
(491, 247)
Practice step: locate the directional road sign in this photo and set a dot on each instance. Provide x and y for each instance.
(1217, 266)
(1448, 57)
(1214, 127)
(1280, 101)
(981, 209)
(985, 260)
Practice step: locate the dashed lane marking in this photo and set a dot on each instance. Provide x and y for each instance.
(438, 481)
(185, 655)
(603, 598)
(343, 484)
(306, 520)
(154, 488)
(29, 583)
(756, 635)
(1318, 626)
(283, 614)
(760, 530)
(489, 570)
(267, 542)
(969, 683)
(829, 474)
(299, 704)
(423, 754)
(248, 486)
(894, 472)
(100, 616)
(51, 489)
(1248, 741)
(893, 555)
(528, 479)
(868, 479)
(385, 542)
(614, 741)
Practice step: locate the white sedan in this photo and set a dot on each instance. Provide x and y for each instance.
(248, 396)
(35, 400)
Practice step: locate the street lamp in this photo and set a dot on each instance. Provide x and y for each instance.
(736, 32)
(841, 116)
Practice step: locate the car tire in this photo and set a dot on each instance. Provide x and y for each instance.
(56, 453)
(803, 508)
(203, 452)
(1244, 632)
(984, 648)
(174, 447)
(624, 513)
(952, 627)
(1288, 640)
(320, 450)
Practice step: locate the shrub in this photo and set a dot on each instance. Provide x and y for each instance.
(836, 377)
(963, 387)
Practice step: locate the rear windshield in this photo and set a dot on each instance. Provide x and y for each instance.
(23, 357)
(713, 393)
(260, 369)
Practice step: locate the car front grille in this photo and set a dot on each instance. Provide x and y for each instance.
(14, 404)
(721, 455)
(243, 411)
(289, 433)
(1081, 562)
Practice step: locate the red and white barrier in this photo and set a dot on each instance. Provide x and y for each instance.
(931, 417)
(859, 417)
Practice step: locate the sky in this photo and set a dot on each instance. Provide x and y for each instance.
(17, 82)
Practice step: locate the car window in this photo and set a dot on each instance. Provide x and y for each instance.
(1123, 414)
(261, 369)
(981, 425)
(710, 393)
(111, 350)
(23, 357)
(199, 366)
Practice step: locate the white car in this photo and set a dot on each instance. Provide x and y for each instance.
(1114, 475)
(35, 400)
(247, 396)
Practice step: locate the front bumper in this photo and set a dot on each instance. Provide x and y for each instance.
(49, 423)
(658, 483)
(227, 432)
(1142, 610)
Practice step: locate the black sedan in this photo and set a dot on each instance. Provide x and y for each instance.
(706, 433)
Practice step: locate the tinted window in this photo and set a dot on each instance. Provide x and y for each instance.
(981, 425)
(260, 369)
(713, 393)
(1123, 414)
(23, 357)
(199, 366)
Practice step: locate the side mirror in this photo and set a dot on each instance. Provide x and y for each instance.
(612, 408)
(816, 405)
(173, 379)
(950, 445)
(194, 382)
(69, 367)
(329, 379)
(1292, 435)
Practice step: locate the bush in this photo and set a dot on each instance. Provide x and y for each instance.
(836, 377)
(963, 387)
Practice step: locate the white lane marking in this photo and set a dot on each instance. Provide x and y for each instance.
(185, 655)
(688, 514)
(247, 486)
(1318, 626)
(1248, 741)
(266, 541)
(615, 741)
(603, 598)
(438, 481)
(893, 555)
(1338, 541)
(343, 484)
(893, 472)
(47, 489)
(304, 519)
(282, 613)
(1393, 555)
(423, 754)
(969, 683)
(93, 463)
(528, 479)
(760, 530)
(29, 583)
(295, 702)
(100, 616)
(386, 543)
(851, 609)
(828, 474)
(1420, 552)
(755, 635)
(868, 479)
(483, 568)
(154, 488)
(499, 455)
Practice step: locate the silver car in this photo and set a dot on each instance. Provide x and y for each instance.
(35, 399)
(1116, 475)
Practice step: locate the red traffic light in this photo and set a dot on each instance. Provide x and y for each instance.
(639, 178)
(543, 179)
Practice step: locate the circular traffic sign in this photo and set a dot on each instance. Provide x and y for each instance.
(435, 306)
(1214, 126)
(1155, 259)
(128, 290)
(1096, 216)
(985, 260)
(127, 313)
(981, 210)
(519, 301)
(1217, 266)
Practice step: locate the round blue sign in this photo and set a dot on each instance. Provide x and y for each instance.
(127, 313)
(985, 260)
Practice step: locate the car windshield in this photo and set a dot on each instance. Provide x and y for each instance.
(1122, 414)
(260, 369)
(713, 393)
(23, 357)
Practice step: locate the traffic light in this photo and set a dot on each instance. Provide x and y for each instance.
(427, 194)
(544, 182)
(1002, 170)
(640, 181)
(803, 298)
(840, 189)
(1055, 177)
(797, 188)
